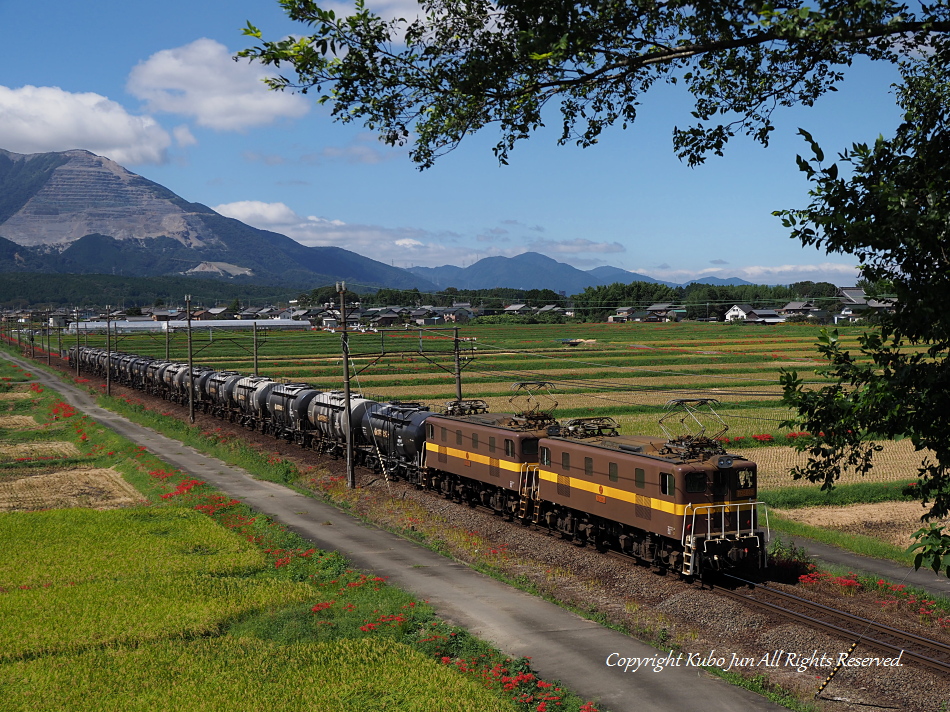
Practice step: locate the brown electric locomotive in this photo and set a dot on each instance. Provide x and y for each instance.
(683, 503)
(484, 458)
(680, 502)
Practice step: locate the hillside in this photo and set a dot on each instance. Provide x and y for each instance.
(529, 270)
(74, 212)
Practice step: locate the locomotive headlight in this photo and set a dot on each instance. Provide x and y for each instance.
(724, 463)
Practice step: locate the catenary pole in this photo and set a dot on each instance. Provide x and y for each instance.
(458, 367)
(77, 343)
(108, 352)
(254, 336)
(191, 371)
(347, 410)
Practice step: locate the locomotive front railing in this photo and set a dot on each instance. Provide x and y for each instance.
(714, 516)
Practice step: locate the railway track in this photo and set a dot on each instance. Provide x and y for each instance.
(890, 641)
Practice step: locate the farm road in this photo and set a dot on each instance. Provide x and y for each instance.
(560, 644)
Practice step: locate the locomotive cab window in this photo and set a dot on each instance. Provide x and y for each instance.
(613, 472)
(640, 478)
(529, 447)
(746, 479)
(667, 484)
(545, 456)
(565, 461)
(509, 448)
(696, 482)
(589, 466)
(491, 444)
(458, 437)
(444, 435)
(474, 441)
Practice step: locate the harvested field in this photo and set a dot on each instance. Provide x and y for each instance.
(17, 422)
(893, 522)
(91, 488)
(16, 395)
(38, 449)
(897, 462)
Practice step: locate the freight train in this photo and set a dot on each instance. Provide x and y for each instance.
(681, 502)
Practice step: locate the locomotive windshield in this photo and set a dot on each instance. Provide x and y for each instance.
(696, 482)
(529, 447)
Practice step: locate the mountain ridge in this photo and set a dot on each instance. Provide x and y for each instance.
(73, 212)
(532, 270)
(76, 212)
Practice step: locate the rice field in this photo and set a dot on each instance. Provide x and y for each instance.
(195, 602)
(626, 371)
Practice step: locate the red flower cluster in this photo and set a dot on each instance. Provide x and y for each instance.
(183, 487)
(163, 474)
(215, 503)
(763, 438)
(393, 621)
(62, 410)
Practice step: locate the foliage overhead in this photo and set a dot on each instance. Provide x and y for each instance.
(888, 204)
(462, 65)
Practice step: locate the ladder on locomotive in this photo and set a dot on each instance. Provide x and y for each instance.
(528, 491)
(689, 550)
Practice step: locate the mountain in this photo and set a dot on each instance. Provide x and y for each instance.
(531, 270)
(609, 275)
(76, 212)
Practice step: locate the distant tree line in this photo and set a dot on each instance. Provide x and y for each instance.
(700, 300)
(497, 298)
(23, 289)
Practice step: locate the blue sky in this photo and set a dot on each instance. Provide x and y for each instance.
(153, 87)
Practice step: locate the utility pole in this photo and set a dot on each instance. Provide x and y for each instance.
(254, 338)
(49, 340)
(77, 343)
(108, 352)
(347, 411)
(191, 371)
(167, 335)
(458, 367)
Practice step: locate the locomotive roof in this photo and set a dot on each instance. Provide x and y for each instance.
(645, 446)
(503, 421)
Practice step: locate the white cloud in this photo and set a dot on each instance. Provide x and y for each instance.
(834, 272)
(578, 245)
(40, 119)
(202, 81)
(402, 246)
(406, 246)
(386, 9)
(183, 136)
(267, 216)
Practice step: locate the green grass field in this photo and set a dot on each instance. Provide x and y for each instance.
(192, 601)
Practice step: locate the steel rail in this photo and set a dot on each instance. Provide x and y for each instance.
(926, 652)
